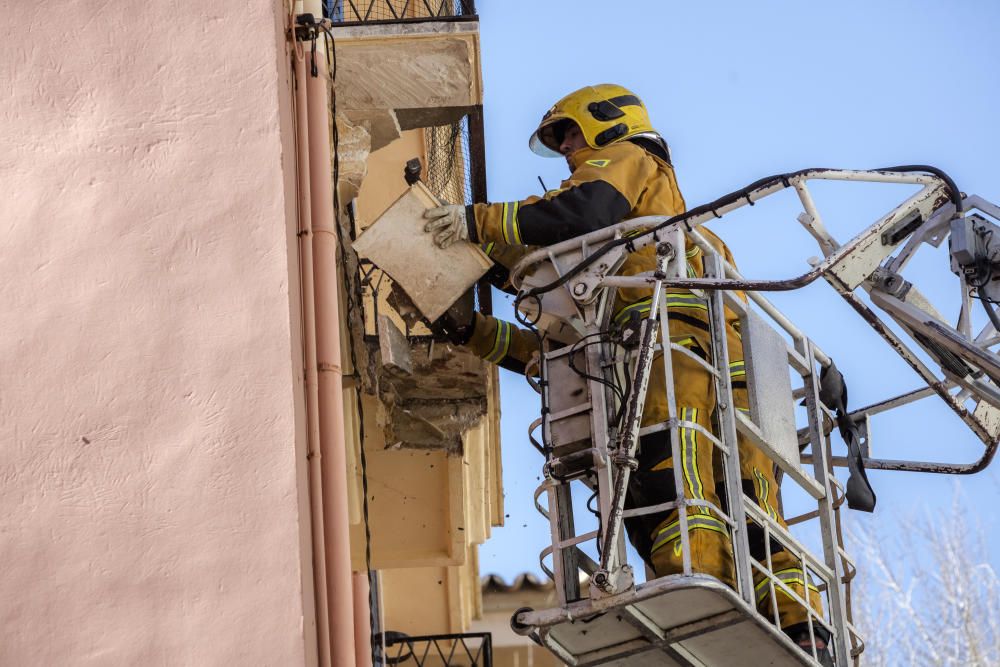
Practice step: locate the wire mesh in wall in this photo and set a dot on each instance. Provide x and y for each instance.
(448, 172)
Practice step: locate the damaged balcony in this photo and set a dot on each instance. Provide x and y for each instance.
(415, 90)
(409, 99)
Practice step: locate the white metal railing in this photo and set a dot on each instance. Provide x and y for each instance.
(573, 282)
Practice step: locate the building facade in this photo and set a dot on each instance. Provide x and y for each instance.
(216, 422)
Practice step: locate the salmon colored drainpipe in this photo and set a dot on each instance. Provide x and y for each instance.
(309, 334)
(333, 463)
(335, 600)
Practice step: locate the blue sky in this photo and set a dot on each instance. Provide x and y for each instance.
(743, 90)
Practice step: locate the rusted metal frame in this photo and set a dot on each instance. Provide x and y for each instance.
(870, 411)
(824, 268)
(940, 220)
(911, 314)
(689, 222)
(934, 384)
(939, 386)
(629, 437)
(891, 403)
(595, 319)
(728, 434)
(821, 471)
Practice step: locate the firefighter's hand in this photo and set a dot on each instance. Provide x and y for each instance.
(447, 224)
(459, 321)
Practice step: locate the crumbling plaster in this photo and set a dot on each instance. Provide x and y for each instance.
(150, 422)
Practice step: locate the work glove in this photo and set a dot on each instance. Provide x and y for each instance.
(447, 223)
(459, 320)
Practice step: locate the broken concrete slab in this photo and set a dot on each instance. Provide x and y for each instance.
(431, 117)
(434, 278)
(397, 66)
(444, 396)
(382, 124)
(394, 349)
(352, 149)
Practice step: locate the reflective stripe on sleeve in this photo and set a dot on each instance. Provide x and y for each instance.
(509, 228)
(501, 343)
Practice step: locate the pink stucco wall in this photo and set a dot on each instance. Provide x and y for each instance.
(151, 503)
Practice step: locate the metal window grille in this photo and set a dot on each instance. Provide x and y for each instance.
(396, 11)
(460, 650)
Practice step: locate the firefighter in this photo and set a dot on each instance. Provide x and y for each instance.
(621, 169)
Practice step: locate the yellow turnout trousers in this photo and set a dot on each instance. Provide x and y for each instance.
(702, 477)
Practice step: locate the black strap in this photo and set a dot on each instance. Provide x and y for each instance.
(833, 394)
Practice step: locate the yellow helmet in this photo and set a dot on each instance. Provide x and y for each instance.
(606, 113)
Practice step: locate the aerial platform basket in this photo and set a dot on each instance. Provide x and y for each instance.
(591, 417)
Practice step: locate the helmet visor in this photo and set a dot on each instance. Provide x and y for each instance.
(547, 138)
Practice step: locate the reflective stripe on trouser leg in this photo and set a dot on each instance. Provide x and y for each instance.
(788, 570)
(757, 469)
(711, 551)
